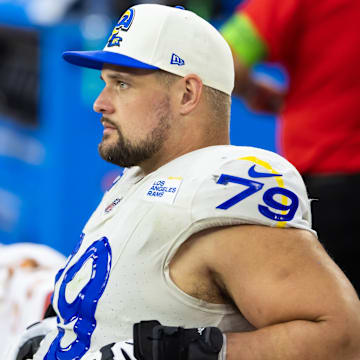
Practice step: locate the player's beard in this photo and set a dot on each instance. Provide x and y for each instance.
(126, 154)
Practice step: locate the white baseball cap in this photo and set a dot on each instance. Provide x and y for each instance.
(153, 36)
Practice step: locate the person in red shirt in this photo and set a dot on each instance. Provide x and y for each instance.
(318, 128)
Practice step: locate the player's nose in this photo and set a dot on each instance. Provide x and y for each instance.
(103, 103)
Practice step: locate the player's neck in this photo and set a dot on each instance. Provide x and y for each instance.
(173, 150)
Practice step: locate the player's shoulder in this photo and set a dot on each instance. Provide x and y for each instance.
(236, 157)
(257, 162)
(250, 185)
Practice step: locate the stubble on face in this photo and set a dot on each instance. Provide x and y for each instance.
(125, 153)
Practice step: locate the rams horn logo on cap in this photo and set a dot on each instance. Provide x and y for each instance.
(126, 20)
(123, 24)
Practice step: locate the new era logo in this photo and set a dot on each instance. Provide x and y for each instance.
(177, 60)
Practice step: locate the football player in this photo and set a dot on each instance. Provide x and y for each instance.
(201, 250)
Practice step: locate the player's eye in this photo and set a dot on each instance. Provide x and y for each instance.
(122, 85)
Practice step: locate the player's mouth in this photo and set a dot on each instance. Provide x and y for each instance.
(108, 127)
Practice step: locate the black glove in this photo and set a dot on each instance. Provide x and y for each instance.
(152, 341)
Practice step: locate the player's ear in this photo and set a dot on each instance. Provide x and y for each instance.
(191, 90)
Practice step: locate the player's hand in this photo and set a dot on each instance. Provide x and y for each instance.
(27, 344)
(264, 97)
(123, 350)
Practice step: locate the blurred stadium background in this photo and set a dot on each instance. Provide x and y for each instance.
(51, 177)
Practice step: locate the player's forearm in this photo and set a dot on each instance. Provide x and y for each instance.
(296, 340)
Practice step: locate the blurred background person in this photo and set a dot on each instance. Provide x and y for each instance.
(318, 128)
(27, 275)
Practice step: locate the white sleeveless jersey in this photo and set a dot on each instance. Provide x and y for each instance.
(119, 273)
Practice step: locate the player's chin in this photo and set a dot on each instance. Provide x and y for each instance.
(104, 151)
(109, 139)
(105, 145)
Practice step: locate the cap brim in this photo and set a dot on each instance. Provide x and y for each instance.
(97, 59)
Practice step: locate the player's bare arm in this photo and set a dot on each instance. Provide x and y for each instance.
(283, 282)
